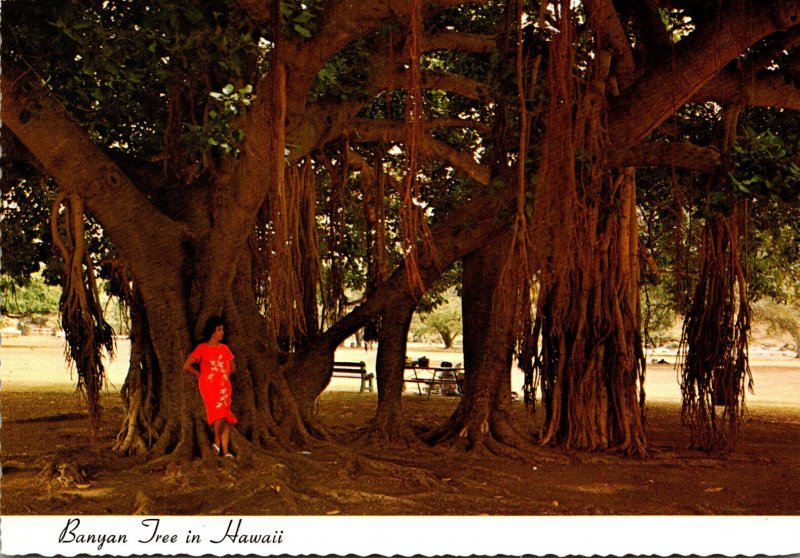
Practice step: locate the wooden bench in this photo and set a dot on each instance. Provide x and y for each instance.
(38, 330)
(356, 370)
(442, 376)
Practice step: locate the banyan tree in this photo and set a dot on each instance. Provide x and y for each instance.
(265, 160)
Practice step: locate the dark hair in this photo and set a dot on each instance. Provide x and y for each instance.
(211, 325)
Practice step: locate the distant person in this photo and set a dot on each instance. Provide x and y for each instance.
(216, 363)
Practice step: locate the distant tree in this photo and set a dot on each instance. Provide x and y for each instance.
(444, 321)
(34, 297)
(780, 318)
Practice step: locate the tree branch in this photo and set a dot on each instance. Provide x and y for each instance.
(344, 22)
(663, 153)
(456, 40)
(454, 83)
(323, 122)
(652, 33)
(466, 230)
(393, 131)
(662, 90)
(765, 90)
(66, 153)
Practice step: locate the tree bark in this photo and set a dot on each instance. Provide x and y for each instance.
(389, 426)
(665, 87)
(591, 361)
(482, 421)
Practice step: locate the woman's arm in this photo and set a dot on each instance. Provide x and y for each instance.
(189, 366)
(232, 366)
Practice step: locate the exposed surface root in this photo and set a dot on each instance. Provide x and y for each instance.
(342, 479)
(381, 435)
(370, 466)
(491, 436)
(386, 502)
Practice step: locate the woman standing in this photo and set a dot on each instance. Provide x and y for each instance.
(216, 363)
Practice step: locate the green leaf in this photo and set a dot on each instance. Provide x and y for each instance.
(302, 31)
(228, 89)
(194, 15)
(305, 17)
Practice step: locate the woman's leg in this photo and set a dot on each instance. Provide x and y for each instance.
(218, 427)
(225, 435)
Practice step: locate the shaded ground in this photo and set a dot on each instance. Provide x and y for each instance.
(50, 467)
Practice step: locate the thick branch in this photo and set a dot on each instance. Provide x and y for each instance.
(346, 21)
(453, 83)
(662, 90)
(455, 40)
(323, 122)
(766, 90)
(684, 155)
(466, 230)
(769, 53)
(66, 153)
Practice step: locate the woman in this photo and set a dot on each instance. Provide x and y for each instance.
(216, 363)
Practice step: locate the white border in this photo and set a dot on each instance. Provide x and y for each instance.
(407, 536)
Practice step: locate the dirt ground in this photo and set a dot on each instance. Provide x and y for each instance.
(50, 466)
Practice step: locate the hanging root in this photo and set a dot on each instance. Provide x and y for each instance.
(87, 333)
(716, 368)
(590, 364)
(413, 226)
(138, 431)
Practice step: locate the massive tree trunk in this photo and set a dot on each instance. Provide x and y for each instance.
(389, 425)
(591, 363)
(489, 304)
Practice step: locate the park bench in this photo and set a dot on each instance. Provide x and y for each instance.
(446, 378)
(356, 370)
(29, 329)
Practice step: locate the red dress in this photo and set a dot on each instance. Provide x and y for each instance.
(214, 381)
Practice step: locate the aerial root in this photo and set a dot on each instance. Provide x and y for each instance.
(129, 440)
